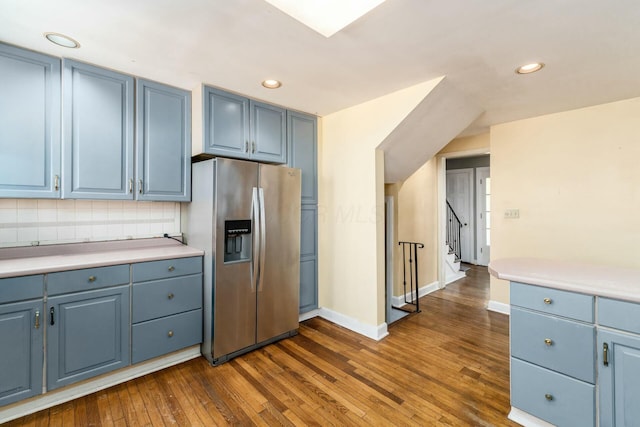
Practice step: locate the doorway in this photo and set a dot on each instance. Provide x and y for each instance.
(460, 197)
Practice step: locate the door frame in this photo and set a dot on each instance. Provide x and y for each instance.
(389, 248)
(442, 204)
(480, 202)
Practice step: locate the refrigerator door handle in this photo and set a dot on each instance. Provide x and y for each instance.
(263, 229)
(256, 239)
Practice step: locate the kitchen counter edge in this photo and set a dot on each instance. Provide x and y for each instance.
(592, 279)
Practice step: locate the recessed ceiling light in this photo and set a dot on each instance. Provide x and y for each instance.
(62, 40)
(271, 84)
(327, 17)
(530, 68)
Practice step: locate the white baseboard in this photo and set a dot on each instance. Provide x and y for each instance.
(309, 315)
(65, 394)
(527, 420)
(369, 331)
(499, 307)
(425, 290)
(450, 278)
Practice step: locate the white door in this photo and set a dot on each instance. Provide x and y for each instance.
(460, 196)
(483, 209)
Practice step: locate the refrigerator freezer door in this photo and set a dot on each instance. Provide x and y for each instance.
(279, 281)
(234, 297)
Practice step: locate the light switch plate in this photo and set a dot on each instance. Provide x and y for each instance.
(512, 213)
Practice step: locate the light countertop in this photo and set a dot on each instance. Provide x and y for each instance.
(599, 280)
(46, 259)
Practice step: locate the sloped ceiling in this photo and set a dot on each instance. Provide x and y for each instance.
(590, 48)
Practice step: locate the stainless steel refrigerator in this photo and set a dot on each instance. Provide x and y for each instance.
(246, 217)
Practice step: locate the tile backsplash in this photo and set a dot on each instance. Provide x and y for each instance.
(25, 222)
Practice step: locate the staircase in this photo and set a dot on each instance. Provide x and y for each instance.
(453, 247)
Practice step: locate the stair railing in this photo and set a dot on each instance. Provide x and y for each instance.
(410, 264)
(453, 232)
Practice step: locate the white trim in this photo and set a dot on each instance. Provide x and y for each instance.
(481, 236)
(398, 301)
(499, 307)
(65, 394)
(390, 245)
(455, 277)
(369, 331)
(309, 315)
(527, 420)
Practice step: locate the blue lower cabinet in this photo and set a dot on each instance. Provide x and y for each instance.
(21, 334)
(87, 334)
(550, 396)
(166, 334)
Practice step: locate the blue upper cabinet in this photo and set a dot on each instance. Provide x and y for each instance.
(235, 126)
(163, 145)
(97, 133)
(302, 146)
(268, 133)
(29, 124)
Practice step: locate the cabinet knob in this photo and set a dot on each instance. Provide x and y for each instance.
(171, 268)
(548, 301)
(92, 278)
(170, 296)
(170, 334)
(549, 397)
(548, 342)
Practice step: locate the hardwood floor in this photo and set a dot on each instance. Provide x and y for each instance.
(445, 366)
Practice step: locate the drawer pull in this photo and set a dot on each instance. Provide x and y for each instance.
(605, 354)
(170, 334)
(92, 278)
(170, 296)
(548, 341)
(171, 268)
(547, 301)
(549, 397)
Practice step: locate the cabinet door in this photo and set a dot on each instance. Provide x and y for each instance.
(29, 124)
(302, 148)
(98, 133)
(308, 258)
(268, 133)
(21, 355)
(87, 335)
(163, 166)
(226, 127)
(619, 379)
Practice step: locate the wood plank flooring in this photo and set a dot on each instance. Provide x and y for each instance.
(445, 366)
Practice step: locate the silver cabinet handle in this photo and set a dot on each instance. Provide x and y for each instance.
(130, 185)
(37, 324)
(246, 146)
(139, 186)
(56, 182)
(253, 146)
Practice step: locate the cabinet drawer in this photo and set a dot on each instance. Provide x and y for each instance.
(21, 288)
(553, 301)
(553, 397)
(619, 314)
(160, 298)
(153, 270)
(570, 349)
(87, 279)
(161, 336)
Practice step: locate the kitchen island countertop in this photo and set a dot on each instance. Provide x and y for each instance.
(601, 280)
(24, 261)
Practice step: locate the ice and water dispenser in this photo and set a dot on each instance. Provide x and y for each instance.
(237, 244)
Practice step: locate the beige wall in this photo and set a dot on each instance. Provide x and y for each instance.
(351, 203)
(418, 222)
(476, 144)
(574, 176)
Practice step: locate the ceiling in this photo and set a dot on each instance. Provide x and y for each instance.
(590, 47)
